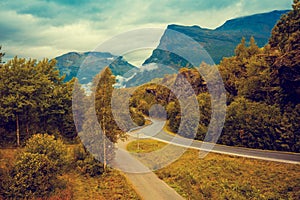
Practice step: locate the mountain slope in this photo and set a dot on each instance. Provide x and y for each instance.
(221, 41)
(90, 64)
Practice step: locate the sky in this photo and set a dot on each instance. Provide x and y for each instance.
(46, 29)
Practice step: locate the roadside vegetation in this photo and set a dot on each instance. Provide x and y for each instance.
(47, 169)
(218, 176)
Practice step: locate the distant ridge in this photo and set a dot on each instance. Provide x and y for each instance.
(92, 63)
(221, 42)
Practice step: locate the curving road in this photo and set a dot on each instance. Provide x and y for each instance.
(155, 131)
(149, 186)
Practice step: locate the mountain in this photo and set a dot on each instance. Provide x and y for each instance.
(178, 47)
(90, 64)
(219, 42)
(145, 74)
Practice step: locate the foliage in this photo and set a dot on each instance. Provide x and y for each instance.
(34, 99)
(204, 102)
(173, 116)
(289, 130)
(286, 57)
(285, 28)
(72, 184)
(251, 124)
(47, 145)
(86, 163)
(33, 175)
(99, 135)
(1, 55)
(103, 95)
(248, 74)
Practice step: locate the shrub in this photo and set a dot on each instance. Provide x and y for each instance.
(33, 175)
(46, 144)
(87, 163)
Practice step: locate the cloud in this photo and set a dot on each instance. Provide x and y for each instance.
(47, 28)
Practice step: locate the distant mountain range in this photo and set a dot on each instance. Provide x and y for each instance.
(218, 43)
(90, 64)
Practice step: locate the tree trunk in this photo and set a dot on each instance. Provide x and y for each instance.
(27, 129)
(104, 149)
(18, 131)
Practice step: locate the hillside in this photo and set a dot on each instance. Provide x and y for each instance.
(222, 41)
(90, 63)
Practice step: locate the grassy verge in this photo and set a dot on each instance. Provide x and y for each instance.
(227, 177)
(109, 186)
(7, 157)
(145, 146)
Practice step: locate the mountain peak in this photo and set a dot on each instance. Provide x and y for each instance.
(253, 22)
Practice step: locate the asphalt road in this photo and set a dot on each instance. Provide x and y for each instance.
(149, 186)
(155, 131)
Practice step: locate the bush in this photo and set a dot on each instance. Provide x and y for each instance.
(46, 144)
(36, 169)
(87, 163)
(33, 175)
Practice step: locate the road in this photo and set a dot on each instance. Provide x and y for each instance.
(143, 180)
(155, 131)
(149, 186)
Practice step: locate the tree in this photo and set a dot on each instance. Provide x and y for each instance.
(285, 28)
(204, 101)
(258, 84)
(101, 142)
(249, 74)
(79, 100)
(241, 50)
(17, 89)
(34, 99)
(233, 69)
(251, 124)
(289, 129)
(173, 116)
(286, 47)
(1, 55)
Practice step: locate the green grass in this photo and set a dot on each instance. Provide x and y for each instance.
(227, 177)
(145, 146)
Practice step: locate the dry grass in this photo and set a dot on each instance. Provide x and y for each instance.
(109, 186)
(227, 177)
(7, 157)
(145, 146)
